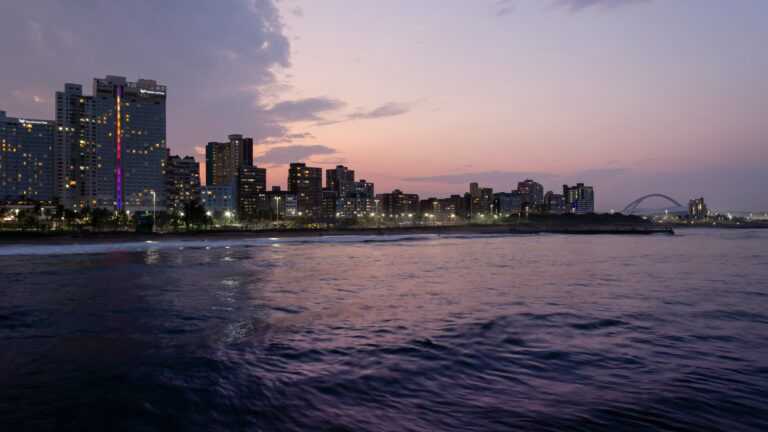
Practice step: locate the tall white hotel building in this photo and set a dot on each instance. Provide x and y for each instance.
(110, 148)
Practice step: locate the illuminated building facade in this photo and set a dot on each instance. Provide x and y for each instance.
(479, 200)
(554, 203)
(508, 203)
(340, 180)
(282, 203)
(307, 184)
(218, 198)
(182, 182)
(224, 159)
(75, 149)
(579, 199)
(329, 205)
(531, 192)
(355, 206)
(130, 145)
(398, 204)
(697, 209)
(251, 191)
(344, 197)
(26, 159)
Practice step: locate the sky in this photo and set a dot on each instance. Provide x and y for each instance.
(632, 96)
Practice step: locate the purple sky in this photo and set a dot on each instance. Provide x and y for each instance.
(633, 96)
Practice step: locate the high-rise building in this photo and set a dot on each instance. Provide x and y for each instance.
(356, 206)
(127, 161)
(307, 184)
(182, 182)
(216, 163)
(247, 151)
(251, 191)
(428, 206)
(26, 159)
(329, 205)
(452, 206)
(531, 192)
(398, 204)
(697, 209)
(282, 203)
(474, 190)
(479, 200)
(76, 159)
(340, 180)
(218, 198)
(354, 199)
(363, 188)
(486, 201)
(507, 203)
(223, 159)
(579, 199)
(554, 203)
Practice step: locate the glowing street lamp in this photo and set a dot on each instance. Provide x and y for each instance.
(154, 208)
(277, 210)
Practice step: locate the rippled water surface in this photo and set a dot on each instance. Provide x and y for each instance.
(543, 332)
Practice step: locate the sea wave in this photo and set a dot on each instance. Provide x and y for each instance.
(105, 247)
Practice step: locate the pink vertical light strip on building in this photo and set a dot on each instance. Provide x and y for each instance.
(119, 162)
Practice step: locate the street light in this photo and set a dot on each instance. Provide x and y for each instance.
(154, 201)
(277, 210)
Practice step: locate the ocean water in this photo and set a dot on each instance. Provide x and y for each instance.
(463, 333)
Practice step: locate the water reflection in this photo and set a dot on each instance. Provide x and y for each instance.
(502, 333)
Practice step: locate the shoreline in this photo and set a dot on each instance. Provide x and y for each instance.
(90, 237)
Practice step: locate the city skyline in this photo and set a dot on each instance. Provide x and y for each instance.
(684, 118)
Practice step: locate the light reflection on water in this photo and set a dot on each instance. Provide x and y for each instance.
(481, 333)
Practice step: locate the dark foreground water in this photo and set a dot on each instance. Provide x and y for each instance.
(544, 332)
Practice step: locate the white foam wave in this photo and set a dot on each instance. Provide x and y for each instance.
(106, 247)
(95, 248)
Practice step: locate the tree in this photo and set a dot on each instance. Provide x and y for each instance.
(163, 219)
(27, 219)
(99, 218)
(194, 214)
(70, 218)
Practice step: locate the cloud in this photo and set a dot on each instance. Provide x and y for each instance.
(483, 177)
(294, 153)
(577, 5)
(217, 58)
(199, 150)
(224, 64)
(387, 110)
(597, 175)
(502, 8)
(308, 109)
(297, 11)
(302, 135)
(287, 138)
(330, 161)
